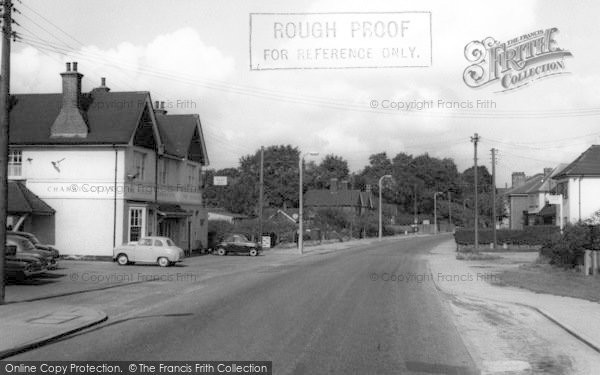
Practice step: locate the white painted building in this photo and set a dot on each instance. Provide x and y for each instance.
(579, 184)
(111, 165)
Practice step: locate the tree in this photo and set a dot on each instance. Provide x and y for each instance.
(332, 166)
(280, 176)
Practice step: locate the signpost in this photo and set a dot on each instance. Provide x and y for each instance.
(220, 180)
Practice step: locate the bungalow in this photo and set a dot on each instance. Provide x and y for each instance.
(579, 185)
(109, 167)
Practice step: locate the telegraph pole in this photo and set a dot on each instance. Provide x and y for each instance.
(494, 195)
(475, 139)
(4, 125)
(261, 193)
(450, 207)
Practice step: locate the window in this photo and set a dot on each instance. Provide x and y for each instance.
(163, 171)
(136, 223)
(139, 163)
(191, 174)
(158, 243)
(563, 188)
(15, 159)
(145, 242)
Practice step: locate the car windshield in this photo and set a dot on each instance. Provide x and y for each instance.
(170, 243)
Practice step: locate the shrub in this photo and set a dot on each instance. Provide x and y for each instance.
(567, 250)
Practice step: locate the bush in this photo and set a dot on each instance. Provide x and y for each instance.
(531, 235)
(567, 250)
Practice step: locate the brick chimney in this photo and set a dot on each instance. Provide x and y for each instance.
(518, 179)
(102, 86)
(333, 184)
(344, 184)
(547, 171)
(70, 121)
(159, 108)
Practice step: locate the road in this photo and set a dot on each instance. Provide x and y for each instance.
(334, 313)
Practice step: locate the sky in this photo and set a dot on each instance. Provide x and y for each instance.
(195, 56)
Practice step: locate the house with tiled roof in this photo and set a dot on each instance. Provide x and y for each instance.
(527, 197)
(339, 196)
(109, 167)
(579, 185)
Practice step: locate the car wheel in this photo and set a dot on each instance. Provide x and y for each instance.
(163, 262)
(253, 252)
(221, 251)
(122, 260)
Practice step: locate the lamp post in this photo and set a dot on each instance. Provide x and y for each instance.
(300, 202)
(435, 211)
(379, 184)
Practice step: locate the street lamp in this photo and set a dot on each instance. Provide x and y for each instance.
(301, 203)
(380, 226)
(435, 211)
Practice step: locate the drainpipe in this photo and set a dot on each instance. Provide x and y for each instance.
(115, 200)
(579, 194)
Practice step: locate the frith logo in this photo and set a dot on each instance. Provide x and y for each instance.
(515, 63)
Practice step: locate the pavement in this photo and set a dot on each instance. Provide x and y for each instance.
(579, 317)
(30, 324)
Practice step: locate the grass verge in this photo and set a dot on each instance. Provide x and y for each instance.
(544, 278)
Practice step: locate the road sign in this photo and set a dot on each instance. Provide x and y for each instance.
(220, 180)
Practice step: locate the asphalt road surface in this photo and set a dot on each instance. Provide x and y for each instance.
(335, 313)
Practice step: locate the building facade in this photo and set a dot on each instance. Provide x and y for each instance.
(579, 185)
(112, 166)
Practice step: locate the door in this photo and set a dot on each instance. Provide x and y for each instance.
(144, 251)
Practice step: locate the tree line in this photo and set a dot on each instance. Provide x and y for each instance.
(415, 180)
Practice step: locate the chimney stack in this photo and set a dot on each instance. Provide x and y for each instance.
(102, 86)
(159, 108)
(548, 171)
(70, 121)
(518, 179)
(344, 184)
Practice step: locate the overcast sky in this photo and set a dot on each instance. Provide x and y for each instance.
(197, 52)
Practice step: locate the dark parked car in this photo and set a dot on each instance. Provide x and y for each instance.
(237, 244)
(19, 267)
(26, 248)
(31, 237)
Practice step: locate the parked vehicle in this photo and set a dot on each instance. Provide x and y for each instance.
(31, 237)
(38, 245)
(20, 267)
(237, 244)
(26, 248)
(160, 250)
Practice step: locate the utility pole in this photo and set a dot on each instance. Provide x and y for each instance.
(494, 195)
(416, 219)
(261, 194)
(475, 140)
(4, 125)
(450, 207)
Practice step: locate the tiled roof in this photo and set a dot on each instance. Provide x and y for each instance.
(177, 133)
(587, 164)
(338, 198)
(529, 186)
(112, 117)
(22, 201)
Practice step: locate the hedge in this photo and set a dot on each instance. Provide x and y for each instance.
(530, 235)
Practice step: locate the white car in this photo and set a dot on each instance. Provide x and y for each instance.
(160, 250)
